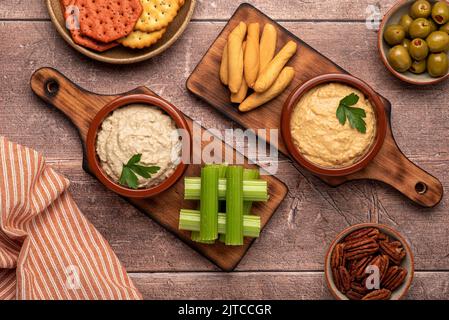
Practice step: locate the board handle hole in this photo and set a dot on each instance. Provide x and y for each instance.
(420, 187)
(51, 87)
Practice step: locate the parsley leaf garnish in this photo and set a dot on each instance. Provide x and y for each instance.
(355, 115)
(130, 171)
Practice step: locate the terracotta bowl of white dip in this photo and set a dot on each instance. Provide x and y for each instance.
(93, 158)
(377, 117)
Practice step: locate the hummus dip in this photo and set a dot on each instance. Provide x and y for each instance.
(134, 129)
(318, 134)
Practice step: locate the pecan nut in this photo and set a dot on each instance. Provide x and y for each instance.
(362, 233)
(338, 256)
(357, 287)
(354, 295)
(359, 267)
(381, 294)
(381, 262)
(394, 278)
(393, 250)
(342, 279)
(359, 248)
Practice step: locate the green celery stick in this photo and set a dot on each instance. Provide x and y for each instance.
(189, 220)
(195, 236)
(234, 206)
(209, 203)
(253, 190)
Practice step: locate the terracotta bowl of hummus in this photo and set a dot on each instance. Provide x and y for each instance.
(315, 137)
(137, 124)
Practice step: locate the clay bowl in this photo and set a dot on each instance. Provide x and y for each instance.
(299, 92)
(407, 262)
(94, 162)
(120, 54)
(392, 17)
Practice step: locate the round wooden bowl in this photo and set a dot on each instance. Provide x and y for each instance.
(392, 17)
(120, 54)
(407, 263)
(298, 93)
(94, 162)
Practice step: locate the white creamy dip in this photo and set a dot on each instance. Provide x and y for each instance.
(134, 129)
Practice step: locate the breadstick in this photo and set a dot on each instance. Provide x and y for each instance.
(268, 43)
(257, 99)
(272, 70)
(224, 66)
(241, 94)
(235, 57)
(251, 57)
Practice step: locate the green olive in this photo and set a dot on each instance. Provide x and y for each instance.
(418, 67)
(420, 9)
(399, 58)
(394, 34)
(420, 28)
(406, 43)
(440, 12)
(405, 22)
(438, 64)
(445, 28)
(433, 26)
(418, 49)
(438, 41)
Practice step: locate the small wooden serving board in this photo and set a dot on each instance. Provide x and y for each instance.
(389, 166)
(81, 106)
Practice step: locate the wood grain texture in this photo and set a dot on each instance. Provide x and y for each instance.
(265, 285)
(389, 166)
(311, 215)
(223, 9)
(81, 107)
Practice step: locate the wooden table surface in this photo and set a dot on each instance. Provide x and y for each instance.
(286, 262)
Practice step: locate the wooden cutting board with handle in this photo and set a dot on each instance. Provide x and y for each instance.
(390, 165)
(81, 106)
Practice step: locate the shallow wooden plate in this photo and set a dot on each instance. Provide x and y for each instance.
(120, 54)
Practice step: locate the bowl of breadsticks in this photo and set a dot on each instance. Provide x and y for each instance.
(252, 69)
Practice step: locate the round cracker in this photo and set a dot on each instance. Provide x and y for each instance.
(140, 40)
(77, 37)
(108, 20)
(157, 14)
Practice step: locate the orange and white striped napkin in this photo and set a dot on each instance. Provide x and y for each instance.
(48, 249)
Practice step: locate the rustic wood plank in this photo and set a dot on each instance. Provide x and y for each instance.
(220, 9)
(312, 214)
(266, 285)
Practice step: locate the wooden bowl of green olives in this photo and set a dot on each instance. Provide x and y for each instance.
(413, 41)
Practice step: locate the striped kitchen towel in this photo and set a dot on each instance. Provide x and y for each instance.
(48, 249)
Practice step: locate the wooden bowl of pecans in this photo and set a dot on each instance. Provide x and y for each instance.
(369, 261)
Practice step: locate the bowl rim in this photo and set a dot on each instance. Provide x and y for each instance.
(358, 226)
(92, 158)
(100, 57)
(383, 56)
(298, 93)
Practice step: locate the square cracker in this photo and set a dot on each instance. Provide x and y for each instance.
(157, 14)
(108, 20)
(140, 39)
